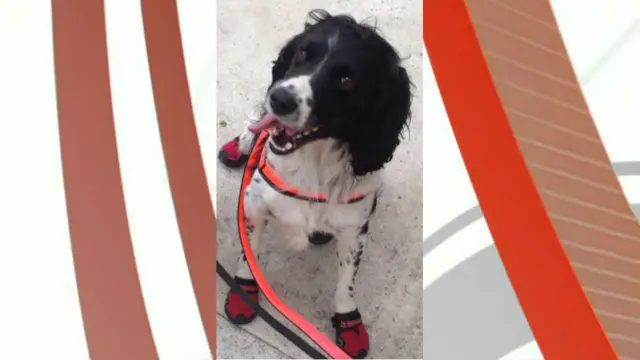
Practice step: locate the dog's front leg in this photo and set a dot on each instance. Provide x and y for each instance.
(351, 334)
(245, 142)
(254, 228)
(236, 309)
(255, 221)
(247, 138)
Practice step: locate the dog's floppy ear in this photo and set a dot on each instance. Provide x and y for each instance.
(377, 137)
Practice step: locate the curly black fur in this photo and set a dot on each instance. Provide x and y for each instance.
(371, 116)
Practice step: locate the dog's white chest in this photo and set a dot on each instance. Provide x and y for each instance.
(302, 215)
(311, 216)
(318, 167)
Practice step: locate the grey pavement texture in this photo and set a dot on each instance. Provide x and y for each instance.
(389, 283)
(235, 343)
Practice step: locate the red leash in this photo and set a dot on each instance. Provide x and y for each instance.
(303, 324)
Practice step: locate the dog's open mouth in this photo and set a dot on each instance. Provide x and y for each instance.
(284, 139)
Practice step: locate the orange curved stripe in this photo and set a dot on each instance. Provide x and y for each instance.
(113, 310)
(552, 298)
(575, 178)
(187, 177)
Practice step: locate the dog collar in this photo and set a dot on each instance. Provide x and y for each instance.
(258, 160)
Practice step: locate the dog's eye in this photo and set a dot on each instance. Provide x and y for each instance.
(346, 83)
(302, 55)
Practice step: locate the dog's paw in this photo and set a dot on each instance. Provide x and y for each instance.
(351, 335)
(237, 310)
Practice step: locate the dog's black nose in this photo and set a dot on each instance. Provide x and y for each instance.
(282, 101)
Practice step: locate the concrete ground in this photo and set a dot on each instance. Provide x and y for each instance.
(389, 283)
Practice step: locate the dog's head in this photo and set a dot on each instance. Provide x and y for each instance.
(341, 79)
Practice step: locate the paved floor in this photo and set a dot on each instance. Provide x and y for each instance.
(389, 282)
(235, 342)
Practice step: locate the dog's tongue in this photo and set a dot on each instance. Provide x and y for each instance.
(267, 122)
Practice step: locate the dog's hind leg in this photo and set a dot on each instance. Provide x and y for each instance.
(351, 334)
(350, 250)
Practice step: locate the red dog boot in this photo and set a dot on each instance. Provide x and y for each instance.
(230, 154)
(237, 310)
(351, 336)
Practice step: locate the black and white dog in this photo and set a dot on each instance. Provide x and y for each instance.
(336, 109)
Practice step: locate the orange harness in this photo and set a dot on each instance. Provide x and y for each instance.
(257, 160)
